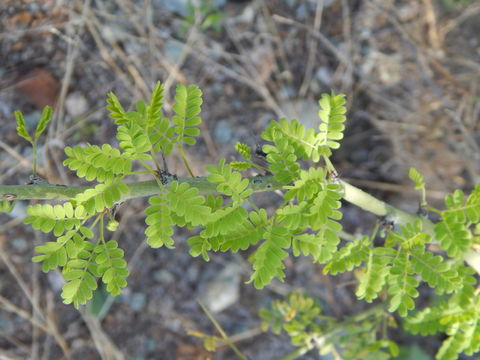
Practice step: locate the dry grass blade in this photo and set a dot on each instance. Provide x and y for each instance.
(312, 50)
(105, 347)
(37, 319)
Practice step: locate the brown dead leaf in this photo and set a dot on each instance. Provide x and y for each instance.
(39, 88)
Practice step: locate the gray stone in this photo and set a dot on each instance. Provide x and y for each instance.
(223, 290)
(301, 12)
(223, 132)
(55, 279)
(76, 104)
(172, 50)
(137, 301)
(324, 75)
(177, 6)
(20, 244)
(163, 276)
(303, 110)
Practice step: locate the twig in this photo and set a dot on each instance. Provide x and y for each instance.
(222, 333)
(312, 51)
(433, 35)
(27, 163)
(136, 189)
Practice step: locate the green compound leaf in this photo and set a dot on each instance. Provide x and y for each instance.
(306, 244)
(332, 114)
(428, 321)
(318, 213)
(162, 137)
(111, 266)
(240, 165)
(328, 240)
(295, 315)
(453, 231)
(134, 141)
(75, 243)
(435, 271)
(282, 161)
(323, 212)
(247, 231)
(303, 142)
(241, 236)
(452, 347)
(349, 257)
(246, 234)
(185, 202)
(402, 285)
(6, 206)
(244, 150)
(373, 279)
(321, 245)
(57, 218)
(307, 186)
(117, 112)
(301, 317)
(229, 182)
(294, 217)
(187, 107)
(22, 127)
(81, 280)
(472, 337)
(461, 211)
(199, 246)
(267, 260)
(454, 238)
(103, 164)
(409, 237)
(417, 178)
(460, 323)
(79, 291)
(222, 221)
(465, 296)
(154, 109)
(53, 255)
(160, 223)
(102, 196)
(44, 120)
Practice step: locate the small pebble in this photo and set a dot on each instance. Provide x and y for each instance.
(137, 301)
(76, 104)
(223, 132)
(163, 277)
(20, 244)
(172, 50)
(223, 290)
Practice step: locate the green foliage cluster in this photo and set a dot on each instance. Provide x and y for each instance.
(209, 15)
(302, 318)
(306, 223)
(80, 249)
(406, 260)
(22, 131)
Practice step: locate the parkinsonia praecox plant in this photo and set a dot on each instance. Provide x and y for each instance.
(220, 209)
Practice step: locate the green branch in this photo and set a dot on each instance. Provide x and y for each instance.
(351, 194)
(371, 204)
(136, 190)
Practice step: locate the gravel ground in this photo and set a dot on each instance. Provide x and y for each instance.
(409, 69)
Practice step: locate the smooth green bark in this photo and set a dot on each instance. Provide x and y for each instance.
(137, 189)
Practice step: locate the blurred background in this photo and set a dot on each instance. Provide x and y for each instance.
(410, 70)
